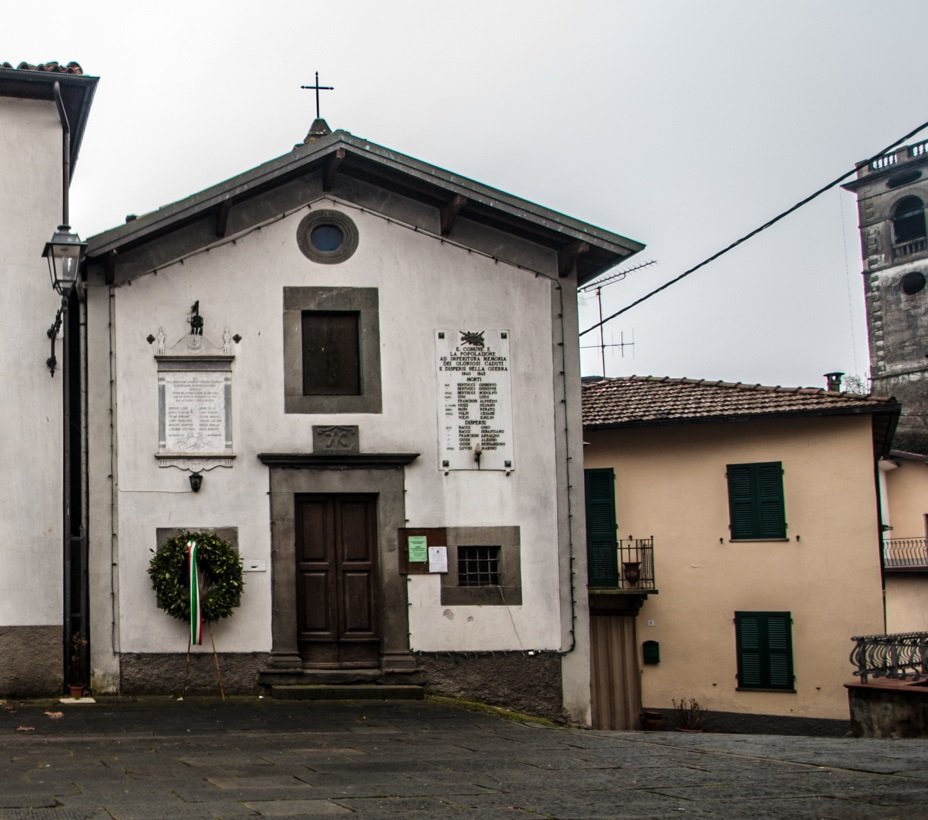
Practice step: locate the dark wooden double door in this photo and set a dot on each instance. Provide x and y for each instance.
(338, 584)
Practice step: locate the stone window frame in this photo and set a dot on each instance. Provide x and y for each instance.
(509, 591)
(327, 217)
(364, 302)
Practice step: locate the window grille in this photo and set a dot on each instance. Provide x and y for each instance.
(478, 566)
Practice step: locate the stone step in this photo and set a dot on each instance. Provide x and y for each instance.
(347, 691)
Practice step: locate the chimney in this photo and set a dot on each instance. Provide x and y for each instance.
(834, 381)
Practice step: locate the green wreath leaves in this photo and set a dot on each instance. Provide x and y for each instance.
(221, 581)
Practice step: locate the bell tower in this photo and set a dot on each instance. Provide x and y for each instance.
(892, 196)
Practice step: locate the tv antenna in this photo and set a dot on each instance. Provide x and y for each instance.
(597, 285)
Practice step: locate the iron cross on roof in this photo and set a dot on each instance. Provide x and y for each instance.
(317, 88)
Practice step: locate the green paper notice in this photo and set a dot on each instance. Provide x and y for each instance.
(418, 549)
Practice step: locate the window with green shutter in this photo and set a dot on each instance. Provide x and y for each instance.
(755, 500)
(765, 650)
(601, 546)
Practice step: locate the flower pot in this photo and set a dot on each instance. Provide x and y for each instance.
(75, 690)
(631, 570)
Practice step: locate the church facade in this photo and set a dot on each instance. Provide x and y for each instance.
(363, 372)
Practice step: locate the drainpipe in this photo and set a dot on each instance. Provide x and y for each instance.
(74, 547)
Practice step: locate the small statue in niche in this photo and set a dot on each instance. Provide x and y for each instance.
(226, 341)
(161, 340)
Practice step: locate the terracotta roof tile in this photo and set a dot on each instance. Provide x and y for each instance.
(52, 67)
(641, 400)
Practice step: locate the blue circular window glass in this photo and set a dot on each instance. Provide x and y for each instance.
(326, 237)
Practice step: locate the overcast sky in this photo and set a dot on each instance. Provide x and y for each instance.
(680, 123)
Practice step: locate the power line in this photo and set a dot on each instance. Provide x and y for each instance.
(754, 233)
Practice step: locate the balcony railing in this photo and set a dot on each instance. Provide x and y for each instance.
(898, 657)
(883, 161)
(899, 155)
(633, 569)
(905, 553)
(909, 248)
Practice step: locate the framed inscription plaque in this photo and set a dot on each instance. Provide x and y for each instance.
(195, 411)
(474, 400)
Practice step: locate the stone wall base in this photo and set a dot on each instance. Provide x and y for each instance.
(513, 680)
(889, 709)
(745, 724)
(31, 661)
(163, 673)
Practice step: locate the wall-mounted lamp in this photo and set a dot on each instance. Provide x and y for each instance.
(196, 481)
(63, 253)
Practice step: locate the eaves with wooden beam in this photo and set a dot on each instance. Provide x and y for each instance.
(372, 177)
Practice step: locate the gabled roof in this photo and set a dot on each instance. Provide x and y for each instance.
(341, 156)
(638, 401)
(36, 82)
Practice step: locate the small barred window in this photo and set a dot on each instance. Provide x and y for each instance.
(478, 566)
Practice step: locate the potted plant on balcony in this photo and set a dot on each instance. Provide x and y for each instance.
(631, 571)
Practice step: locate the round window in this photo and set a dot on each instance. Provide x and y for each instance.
(912, 283)
(328, 237)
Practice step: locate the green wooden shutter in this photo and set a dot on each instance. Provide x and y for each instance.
(741, 500)
(755, 500)
(780, 651)
(602, 557)
(765, 652)
(748, 641)
(771, 519)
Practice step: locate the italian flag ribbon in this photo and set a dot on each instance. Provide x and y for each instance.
(196, 615)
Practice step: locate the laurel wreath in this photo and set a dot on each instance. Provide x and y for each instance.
(221, 581)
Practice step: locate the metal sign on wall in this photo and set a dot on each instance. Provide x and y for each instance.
(474, 400)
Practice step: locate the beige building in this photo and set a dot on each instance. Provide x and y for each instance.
(904, 500)
(749, 519)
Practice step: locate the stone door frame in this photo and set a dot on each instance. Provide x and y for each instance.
(382, 475)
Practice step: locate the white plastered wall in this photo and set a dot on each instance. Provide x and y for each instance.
(31, 410)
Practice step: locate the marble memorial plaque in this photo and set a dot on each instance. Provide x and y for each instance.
(194, 416)
(474, 400)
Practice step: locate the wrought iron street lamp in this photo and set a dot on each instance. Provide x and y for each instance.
(63, 253)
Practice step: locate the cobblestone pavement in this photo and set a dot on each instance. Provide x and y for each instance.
(161, 758)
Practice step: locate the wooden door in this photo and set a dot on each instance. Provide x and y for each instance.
(616, 677)
(337, 581)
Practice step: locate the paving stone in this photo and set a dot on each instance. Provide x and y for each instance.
(296, 808)
(260, 782)
(158, 758)
(58, 813)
